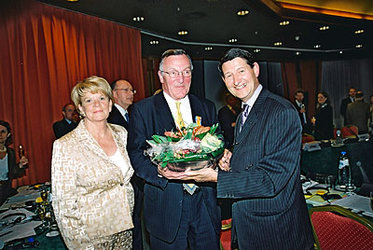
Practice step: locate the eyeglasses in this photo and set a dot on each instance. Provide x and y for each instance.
(175, 73)
(127, 90)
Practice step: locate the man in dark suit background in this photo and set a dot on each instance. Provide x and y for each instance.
(302, 111)
(263, 172)
(123, 94)
(67, 124)
(358, 113)
(175, 216)
(346, 101)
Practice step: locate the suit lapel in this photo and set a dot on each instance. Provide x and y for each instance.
(253, 117)
(88, 141)
(163, 113)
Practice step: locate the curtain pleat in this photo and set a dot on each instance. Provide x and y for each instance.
(44, 52)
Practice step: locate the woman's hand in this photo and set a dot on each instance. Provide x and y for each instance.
(23, 162)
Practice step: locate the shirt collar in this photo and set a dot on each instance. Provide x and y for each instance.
(68, 121)
(170, 100)
(255, 95)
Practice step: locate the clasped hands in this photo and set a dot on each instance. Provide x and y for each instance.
(202, 175)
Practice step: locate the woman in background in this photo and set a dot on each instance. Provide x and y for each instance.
(323, 120)
(9, 168)
(92, 195)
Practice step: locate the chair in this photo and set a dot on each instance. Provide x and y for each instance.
(307, 138)
(349, 131)
(225, 234)
(335, 227)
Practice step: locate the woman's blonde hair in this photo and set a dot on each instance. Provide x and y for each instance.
(92, 84)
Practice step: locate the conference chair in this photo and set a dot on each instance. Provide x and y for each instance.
(225, 234)
(335, 227)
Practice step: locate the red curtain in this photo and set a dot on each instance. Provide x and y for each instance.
(44, 51)
(302, 75)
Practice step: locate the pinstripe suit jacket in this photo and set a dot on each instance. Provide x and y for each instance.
(163, 199)
(270, 211)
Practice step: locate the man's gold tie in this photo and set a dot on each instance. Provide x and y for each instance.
(189, 187)
(179, 117)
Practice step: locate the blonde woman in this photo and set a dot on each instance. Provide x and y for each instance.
(92, 195)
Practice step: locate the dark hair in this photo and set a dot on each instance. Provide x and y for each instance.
(174, 52)
(65, 106)
(325, 95)
(9, 140)
(234, 53)
(299, 91)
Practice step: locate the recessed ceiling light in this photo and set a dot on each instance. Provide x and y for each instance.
(283, 23)
(256, 50)
(340, 52)
(317, 46)
(359, 46)
(359, 31)
(208, 48)
(277, 43)
(324, 28)
(242, 12)
(154, 42)
(297, 53)
(72, 0)
(233, 40)
(138, 19)
(182, 33)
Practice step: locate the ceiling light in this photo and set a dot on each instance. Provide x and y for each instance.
(182, 33)
(242, 12)
(138, 18)
(340, 52)
(256, 50)
(72, 0)
(233, 40)
(208, 48)
(359, 31)
(359, 46)
(154, 42)
(297, 53)
(283, 23)
(317, 46)
(277, 43)
(324, 28)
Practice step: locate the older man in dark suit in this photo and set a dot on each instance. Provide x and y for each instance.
(262, 173)
(123, 94)
(67, 124)
(177, 216)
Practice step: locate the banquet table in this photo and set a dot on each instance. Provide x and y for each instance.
(325, 161)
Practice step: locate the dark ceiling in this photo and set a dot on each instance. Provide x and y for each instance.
(212, 23)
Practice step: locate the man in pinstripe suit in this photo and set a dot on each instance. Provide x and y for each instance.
(262, 172)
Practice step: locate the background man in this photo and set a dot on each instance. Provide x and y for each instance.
(346, 101)
(301, 107)
(175, 218)
(123, 94)
(270, 211)
(67, 124)
(358, 113)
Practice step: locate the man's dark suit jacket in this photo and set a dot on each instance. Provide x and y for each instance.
(163, 199)
(270, 211)
(62, 127)
(343, 110)
(116, 117)
(226, 118)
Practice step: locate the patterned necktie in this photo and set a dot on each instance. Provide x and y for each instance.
(126, 116)
(245, 114)
(179, 118)
(189, 187)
